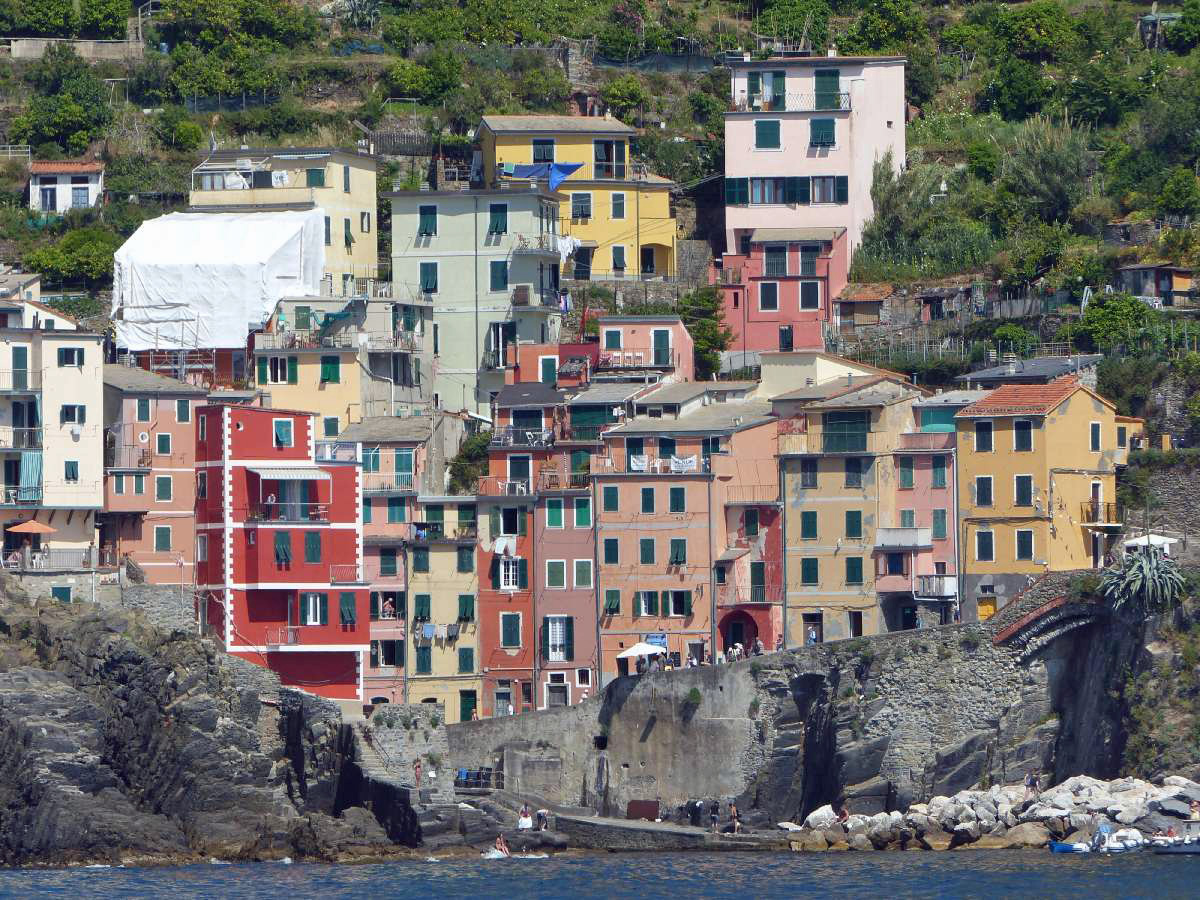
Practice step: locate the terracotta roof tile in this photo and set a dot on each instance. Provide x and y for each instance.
(64, 166)
(866, 292)
(1023, 399)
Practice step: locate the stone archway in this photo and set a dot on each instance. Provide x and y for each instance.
(737, 627)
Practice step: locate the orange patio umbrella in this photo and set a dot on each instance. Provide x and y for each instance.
(32, 526)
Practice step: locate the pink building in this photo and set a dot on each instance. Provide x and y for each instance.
(801, 140)
(671, 484)
(150, 472)
(916, 556)
(646, 344)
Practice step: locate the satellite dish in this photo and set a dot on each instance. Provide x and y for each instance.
(143, 437)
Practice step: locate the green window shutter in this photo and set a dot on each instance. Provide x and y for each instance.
(466, 559)
(324, 610)
(395, 509)
(545, 640)
(803, 190)
(809, 571)
(523, 574)
(494, 573)
(766, 134)
(421, 607)
(331, 369)
(283, 548)
(618, 257)
(854, 570)
(753, 83)
(828, 88)
(821, 133)
(312, 546)
(427, 224)
(906, 471)
(466, 660)
(424, 659)
(610, 498)
(678, 552)
(583, 512)
(143, 403)
(510, 630)
(939, 472)
(808, 525)
(737, 191)
(498, 273)
(652, 603)
(374, 604)
(304, 600)
(791, 190)
(429, 277)
(939, 524)
(387, 561)
(677, 500)
(646, 551)
(466, 607)
(494, 522)
(554, 513)
(647, 499)
(420, 559)
(810, 295)
(612, 602)
(778, 85)
(162, 539)
(435, 512)
(262, 371)
(841, 189)
(303, 318)
(556, 574)
(346, 608)
(611, 551)
(687, 603)
(498, 218)
(853, 523)
(314, 178)
(522, 517)
(293, 370)
(367, 510)
(569, 639)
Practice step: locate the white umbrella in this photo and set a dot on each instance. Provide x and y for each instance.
(641, 649)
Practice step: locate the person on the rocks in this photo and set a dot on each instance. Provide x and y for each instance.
(843, 813)
(714, 814)
(778, 643)
(759, 649)
(502, 845)
(1194, 806)
(1032, 786)
(734, 819)
(417, 772)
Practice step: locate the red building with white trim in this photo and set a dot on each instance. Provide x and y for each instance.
(279, 548)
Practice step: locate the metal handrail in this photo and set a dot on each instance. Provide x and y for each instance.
(289, 512)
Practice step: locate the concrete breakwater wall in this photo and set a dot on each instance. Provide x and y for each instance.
(884, 722)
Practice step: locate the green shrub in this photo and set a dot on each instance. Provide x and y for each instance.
(969, 642)
(693, 698)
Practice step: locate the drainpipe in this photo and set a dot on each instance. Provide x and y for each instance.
(712, 584)
(475, 268)
(784, 543)
(596, 580)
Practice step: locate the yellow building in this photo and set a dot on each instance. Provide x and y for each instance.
(1037, 486)
(443, 585)
(620, 213)
(340, 182)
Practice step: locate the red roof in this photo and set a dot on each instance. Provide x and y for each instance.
(1024, 399)
(868, 293)
(65, 167)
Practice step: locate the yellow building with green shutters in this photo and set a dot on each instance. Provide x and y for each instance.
(443, 587)
(619, 212)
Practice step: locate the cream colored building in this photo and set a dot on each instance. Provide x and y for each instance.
(51, 430)
(487, 264)
(339, 182)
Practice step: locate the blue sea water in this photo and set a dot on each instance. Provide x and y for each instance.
(679, 876)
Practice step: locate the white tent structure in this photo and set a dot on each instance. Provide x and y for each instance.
(203, 280)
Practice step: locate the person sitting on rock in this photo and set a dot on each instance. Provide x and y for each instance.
(843, 813)
(502, 845)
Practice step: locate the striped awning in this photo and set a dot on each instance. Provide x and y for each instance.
(299, 473)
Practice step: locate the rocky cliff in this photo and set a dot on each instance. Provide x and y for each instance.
(884, 722)
(122, 742)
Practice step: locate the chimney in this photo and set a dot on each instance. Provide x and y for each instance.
(1012, 368)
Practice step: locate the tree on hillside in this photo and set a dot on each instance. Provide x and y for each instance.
(1111, 319)
(470, 463)
(81, 255)
(789, 17)
(624, 95)
(1044, 170)
(1185, 34)
(1016, 90)
(1180, 194)
(884, 26)
(71, 108)
(1037, 31)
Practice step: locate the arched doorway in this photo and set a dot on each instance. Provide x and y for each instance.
(738, 627)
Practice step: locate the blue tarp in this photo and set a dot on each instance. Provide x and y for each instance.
(557, 173)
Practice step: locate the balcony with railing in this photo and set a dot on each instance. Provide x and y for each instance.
(429, 532)
(831, 101)
(496, 486)
(283, 636)
(60, 559)
(316, 339)
(937, 586)
(20, 381)
(127, 456)
(288, 512)
(528, 295)
(752, 494)
(693, 464)
(20, 438)
(638, 359)
(1098, 514)
(849, 442)
(345, 573)
(544, 243)
(388, 483)
(558, 480)
(336, 451)
(14, 495)
(516, 436)
(793, 443)
(927, 440)
(741, 594)
(582, 434)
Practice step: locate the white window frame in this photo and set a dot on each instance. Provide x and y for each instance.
(591, 209)
(832, 182)
(588, 682)
(672, 614)
(990, 532)
(556, 587)
(582, 501)
(520, 624)
(510, 574)
(542, 359)
(314, 607)
(1096, 428)
(171, 493)
(201, 485)
(76, 357)
(291, 434)
(364, 222)
(1018, 476)
(556, 627)
(800, 296)
(1030, 422)
(201, 548)
(170, 536)
(553, 148)
(639, 598)
(758, 149)
(991, 490)
(991, 426)
(763, 284)
(517, 514)
(613, 207)
(1017, 545)
(157, 437)
(591, 576)
(73, 417)
(277, 369)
